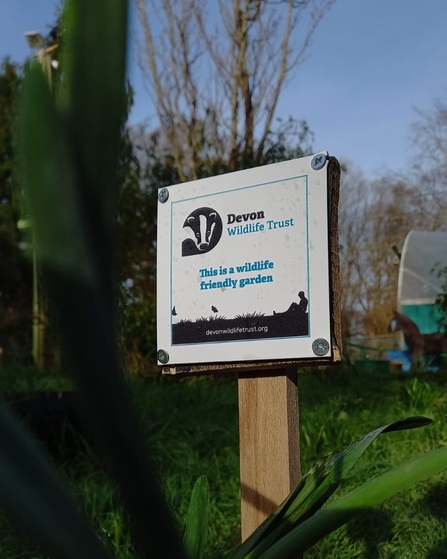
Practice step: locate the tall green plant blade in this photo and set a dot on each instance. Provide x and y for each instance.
(197, 520)
(46, 164)
(315, 489)
(93, 100)
(362, 499)
(32, 494)
(71, 202)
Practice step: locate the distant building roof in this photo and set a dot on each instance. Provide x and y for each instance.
(423, 252)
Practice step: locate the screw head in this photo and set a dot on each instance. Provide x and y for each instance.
(163, 195)
(162, 356)
(318, 161)
(320, 347)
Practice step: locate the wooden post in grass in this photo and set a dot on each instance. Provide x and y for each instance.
(248, 281)
(269, 443)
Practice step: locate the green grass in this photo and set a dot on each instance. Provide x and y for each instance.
(191, 428)
(17, 377)
(338, 409)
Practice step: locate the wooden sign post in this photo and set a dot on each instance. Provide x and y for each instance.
(269, 443)
(248, 277)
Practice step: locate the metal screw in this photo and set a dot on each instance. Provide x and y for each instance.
(163, 195)
(320, 347)
(163, 356)
(318, 161)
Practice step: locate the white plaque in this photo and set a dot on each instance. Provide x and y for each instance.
(243, 266)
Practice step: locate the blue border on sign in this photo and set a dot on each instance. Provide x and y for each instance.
(306, 177)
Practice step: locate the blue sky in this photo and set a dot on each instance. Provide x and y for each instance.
(371, 63)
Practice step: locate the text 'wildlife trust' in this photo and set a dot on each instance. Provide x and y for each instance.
(229, 281)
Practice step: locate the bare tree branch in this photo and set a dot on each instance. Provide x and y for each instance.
(221, 72)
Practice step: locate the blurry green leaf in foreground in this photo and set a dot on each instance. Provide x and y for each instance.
(362, 499)
(68, 149)
(32, 494)
(46, 167)
(315, 489)
(197, 520)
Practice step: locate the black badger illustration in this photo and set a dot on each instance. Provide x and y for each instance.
(206, 224)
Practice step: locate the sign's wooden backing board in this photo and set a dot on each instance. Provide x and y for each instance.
(248, 270)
